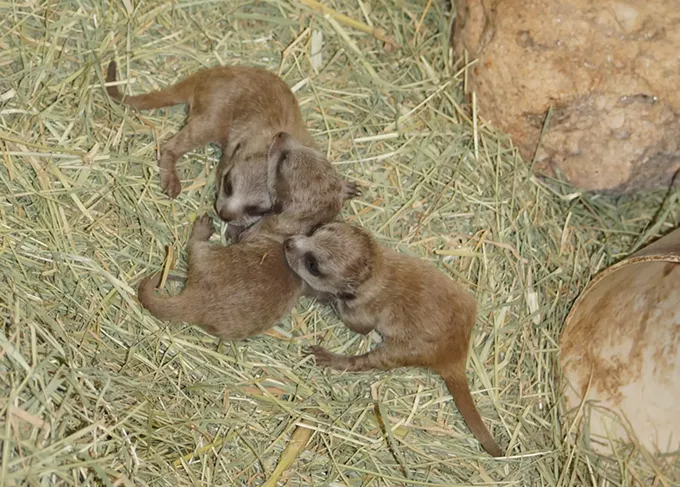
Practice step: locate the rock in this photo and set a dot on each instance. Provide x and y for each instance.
(620, 354)
(610, 70)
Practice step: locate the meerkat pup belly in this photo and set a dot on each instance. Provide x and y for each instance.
(424, 317)
(243, 289)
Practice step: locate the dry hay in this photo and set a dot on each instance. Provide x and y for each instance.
(94, 391)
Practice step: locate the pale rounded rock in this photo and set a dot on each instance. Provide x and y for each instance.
(610, 70)
(620, 354)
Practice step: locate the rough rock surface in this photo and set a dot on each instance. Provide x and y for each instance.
(609, 69)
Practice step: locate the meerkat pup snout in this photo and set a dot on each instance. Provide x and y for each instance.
(424, 317)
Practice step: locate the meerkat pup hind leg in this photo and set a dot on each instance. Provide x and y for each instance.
(198, 246)
(202, 229)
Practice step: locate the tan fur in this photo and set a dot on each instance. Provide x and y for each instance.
(231, 292)
(239, 108)
(425, 318)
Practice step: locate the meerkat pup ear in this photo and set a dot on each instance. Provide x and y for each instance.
(276, 156)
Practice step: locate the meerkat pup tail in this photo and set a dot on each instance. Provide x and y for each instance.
(167, 308)
(172, 95)
(457, 385)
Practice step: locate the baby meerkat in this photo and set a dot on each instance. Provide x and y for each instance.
(232, 292)
(239, 108)
(424, 317)
(243, 289)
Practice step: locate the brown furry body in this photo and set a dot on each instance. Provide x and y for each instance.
(231, 292)
(424, 317)
(239, 108)
(241, 290)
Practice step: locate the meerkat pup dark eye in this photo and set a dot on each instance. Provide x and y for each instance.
(227, 188)
(312, 264)
(314, 229)
(252, 210)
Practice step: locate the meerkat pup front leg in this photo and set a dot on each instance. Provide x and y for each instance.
(383, 357)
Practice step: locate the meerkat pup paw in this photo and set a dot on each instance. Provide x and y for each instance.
(350, 190)
(203, 228)
(170, 183)
(324, 358)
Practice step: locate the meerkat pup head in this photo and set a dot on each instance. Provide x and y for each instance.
(335, 258)
(288, 176)
(297, 174)
(242, 197)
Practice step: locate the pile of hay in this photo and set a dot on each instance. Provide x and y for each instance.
(95, 391)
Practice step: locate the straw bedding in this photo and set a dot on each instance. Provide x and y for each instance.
(95, 391)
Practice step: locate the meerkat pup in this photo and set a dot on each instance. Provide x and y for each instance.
(232, 292)
(424, 317)
(239, 108)
(240, 290)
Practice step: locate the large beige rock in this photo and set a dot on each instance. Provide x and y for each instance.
(620, 354)
(609, 69)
